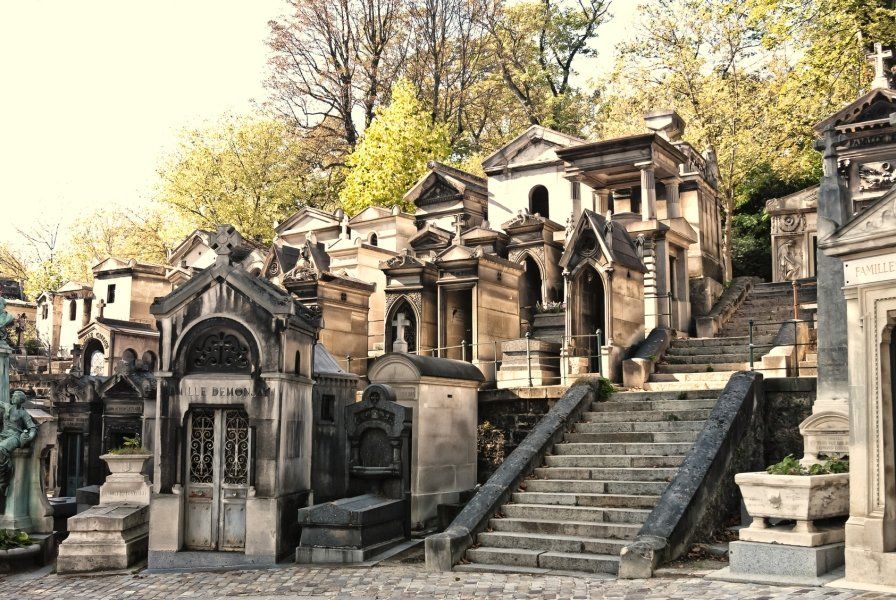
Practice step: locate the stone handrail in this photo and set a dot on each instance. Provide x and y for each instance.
(725, 307)
(703, 492)
(444, 550)
(637, 369)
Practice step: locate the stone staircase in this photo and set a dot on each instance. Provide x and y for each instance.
(596, 488)
(704, 363)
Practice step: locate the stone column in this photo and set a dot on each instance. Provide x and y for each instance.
(833, 211)
(602, 201)
(648, 191)
(673, 206)
(652, 286)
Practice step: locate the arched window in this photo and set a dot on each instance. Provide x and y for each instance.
(219, 350)
(538, 201)
(72, 310)
(129, 356)
(298, 362)
(374, 240)
(149, 360)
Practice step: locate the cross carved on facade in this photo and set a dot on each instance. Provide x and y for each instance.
(225, 240)
(877, 59)
(100, 308)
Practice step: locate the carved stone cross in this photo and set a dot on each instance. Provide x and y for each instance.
(400, 323)
(458, 228)
(100, 308)
(224, 241)
(877, 59)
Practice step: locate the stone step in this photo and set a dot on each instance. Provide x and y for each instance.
(638, 426)
(710, 342)
(612, 460)
(611, 531)
(714, 377)
(703, 368)
(697, 359)
(590, 563)
(641, 396)
(809, 371)
(683, 386)
(654, 415)
(719, 350)
(651, 405)
(585, 486)
(602, 500)
(632, 437)
(550, 542)
(598, 473)
(561, 512)
(641, 449)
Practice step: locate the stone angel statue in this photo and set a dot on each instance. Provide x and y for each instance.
(6, 320)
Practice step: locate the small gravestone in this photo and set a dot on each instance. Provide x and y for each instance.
(825, 434)
(377, 517)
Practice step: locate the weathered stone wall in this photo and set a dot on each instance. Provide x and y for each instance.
(788, 401)
(514, 412)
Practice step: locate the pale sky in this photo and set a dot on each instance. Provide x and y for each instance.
(94, 92)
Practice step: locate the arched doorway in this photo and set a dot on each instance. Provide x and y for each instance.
(94, 358)
(538, 201)
(530, 292)
(591, 315)
(402, 317)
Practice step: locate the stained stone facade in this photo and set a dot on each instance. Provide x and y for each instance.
(794, 235)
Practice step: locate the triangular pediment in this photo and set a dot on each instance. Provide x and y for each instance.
(876, 105)
(536, 144)
(455, 252)
(604, 242)
(199, 237)
(308, 219)
(430, 235)
(370, 213)
(870, 226)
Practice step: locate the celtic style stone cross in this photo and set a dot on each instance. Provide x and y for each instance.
(225, 240)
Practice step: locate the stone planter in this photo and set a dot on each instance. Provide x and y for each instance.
(16, 558)
(550, 327)
(802, 498)
(126, 483)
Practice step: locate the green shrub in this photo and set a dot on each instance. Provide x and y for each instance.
(10, 538)
(131, 445)
(600, 386)
(791, 466)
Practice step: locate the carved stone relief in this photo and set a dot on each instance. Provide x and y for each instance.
(790, 259)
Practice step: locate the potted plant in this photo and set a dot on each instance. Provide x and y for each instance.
(129, 458)
(789, 490)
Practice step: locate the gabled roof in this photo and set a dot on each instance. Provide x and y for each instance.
(535, 135)
(199, 236)
(141, 383)
(805, 198)
(370, 213)
(431, 232)
(483, 232)
(405, 260)
(613, 240)
(873, 228)
(113, 264)
(324, 363)
(308, 214)
(258, 289)
(443, 183)
(876, 105)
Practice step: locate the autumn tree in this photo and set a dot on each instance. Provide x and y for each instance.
(333, 58)
(251, 173)
(536, 44)
(393, 153)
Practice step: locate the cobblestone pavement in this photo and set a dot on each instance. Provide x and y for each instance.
(399, 581)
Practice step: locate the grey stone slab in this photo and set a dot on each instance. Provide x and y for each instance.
(779, 560)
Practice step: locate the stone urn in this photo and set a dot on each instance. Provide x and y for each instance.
(126, 482)
(801, 498)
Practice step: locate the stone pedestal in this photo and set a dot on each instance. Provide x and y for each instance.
(114, 534)
(550, 327)
(351, 530)
(105, 537)
(527, 363)
(26, 504)
(781, 564)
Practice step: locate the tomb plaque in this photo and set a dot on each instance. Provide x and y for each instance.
(825, 434)
(870, 270)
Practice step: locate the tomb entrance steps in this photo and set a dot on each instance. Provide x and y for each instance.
(596, 488)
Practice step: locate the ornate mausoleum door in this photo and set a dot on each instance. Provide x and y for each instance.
(217, 484)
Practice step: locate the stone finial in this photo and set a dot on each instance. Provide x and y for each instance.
(224, 241)
(396, 210)
(667, 123)
(343, 225)
(877, 59)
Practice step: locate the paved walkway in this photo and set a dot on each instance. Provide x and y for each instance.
(398, 581)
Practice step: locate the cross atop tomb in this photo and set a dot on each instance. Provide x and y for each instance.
(224, 241)
(877, 59)
(458, 228)
(400, 323)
